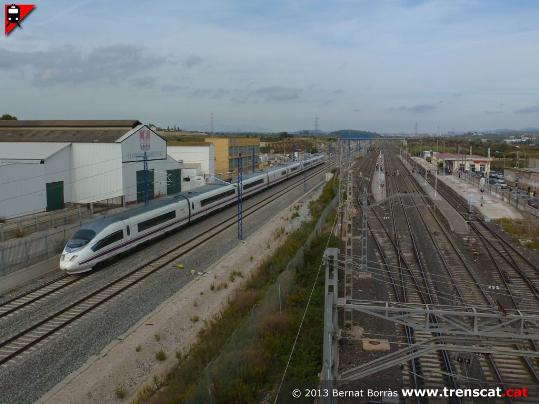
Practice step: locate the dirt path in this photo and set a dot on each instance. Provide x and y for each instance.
(130, 361)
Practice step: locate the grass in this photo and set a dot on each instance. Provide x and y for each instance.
(138, 348)
(120, 393)
(266, 354)
(195, 319)
(521, 229)
(160, 355)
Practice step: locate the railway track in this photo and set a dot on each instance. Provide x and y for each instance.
(520, 283)
(28, 298)
(30, 337)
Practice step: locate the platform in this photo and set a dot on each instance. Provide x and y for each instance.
(455, 220)
(491, 208)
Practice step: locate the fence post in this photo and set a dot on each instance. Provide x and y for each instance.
(2, 259)
(27, 251)
(47, 244)
(2, 231)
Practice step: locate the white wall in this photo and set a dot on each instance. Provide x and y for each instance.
(203, 155)
(196, 180)
(96, 171)
(23, 184)
(23, 189)
(58, 168)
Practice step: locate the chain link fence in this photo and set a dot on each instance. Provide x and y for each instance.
(234, 359)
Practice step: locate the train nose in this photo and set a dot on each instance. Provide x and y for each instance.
(68, 261)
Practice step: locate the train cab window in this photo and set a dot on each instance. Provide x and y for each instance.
(107, 240)
(128, 231)
(81, 238)
(193, 205)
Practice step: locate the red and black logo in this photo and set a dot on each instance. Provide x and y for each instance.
(14, 14)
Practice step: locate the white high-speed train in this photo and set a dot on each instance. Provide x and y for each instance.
(102, 239)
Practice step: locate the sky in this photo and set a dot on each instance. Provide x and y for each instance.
(259, 65)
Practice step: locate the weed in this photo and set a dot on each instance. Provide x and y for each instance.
(160, 355)
(195, 319)
(212, 287)
(144, 394)
(120, 393)
(157, 337)
(138, 348)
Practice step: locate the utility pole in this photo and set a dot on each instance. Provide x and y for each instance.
(240, 198)
(211, 122)
(253, 161)
(146, 184)
(364, 230)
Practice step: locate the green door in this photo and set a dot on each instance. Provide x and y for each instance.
(174, 181)
(140, 185)
(55, 195)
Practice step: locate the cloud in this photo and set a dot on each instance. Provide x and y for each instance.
(144, 82)
(69, 65)
(192, 61)
(416, 109)
(275, 93)
(172, 88)
(494, 112)
(531, 109)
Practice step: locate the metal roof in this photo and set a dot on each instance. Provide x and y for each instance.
(65, 131)
(30, 151)
(70, 124)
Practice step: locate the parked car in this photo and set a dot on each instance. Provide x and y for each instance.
(534, 202)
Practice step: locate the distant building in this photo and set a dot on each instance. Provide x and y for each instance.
(227, 153)
(452, 162)
(46, 164)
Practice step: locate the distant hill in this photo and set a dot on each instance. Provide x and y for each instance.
(346, 133)
(309, 132)
(512, 131)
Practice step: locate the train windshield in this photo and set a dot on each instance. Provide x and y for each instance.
(81, 238)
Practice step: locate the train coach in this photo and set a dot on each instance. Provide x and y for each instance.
(102, 239)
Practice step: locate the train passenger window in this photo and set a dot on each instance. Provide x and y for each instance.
(111, 238)
(193, 205)
(128, 231)
(283, 172)
(154, 221)
(254, 184)
(214, 198)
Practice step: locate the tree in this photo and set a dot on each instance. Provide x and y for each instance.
(7, 117)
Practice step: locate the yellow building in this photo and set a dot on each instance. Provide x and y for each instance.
(227, 153)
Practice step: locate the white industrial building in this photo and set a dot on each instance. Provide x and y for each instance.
(201, 153)
(45, 164)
